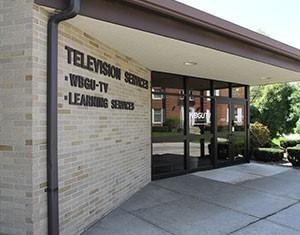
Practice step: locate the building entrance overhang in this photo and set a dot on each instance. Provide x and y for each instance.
(170, 37)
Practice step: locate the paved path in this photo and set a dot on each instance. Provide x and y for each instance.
(245, 199)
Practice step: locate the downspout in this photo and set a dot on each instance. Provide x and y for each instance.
(52, 163)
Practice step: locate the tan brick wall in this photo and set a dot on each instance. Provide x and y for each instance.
(39, 106)
(16, 117)
(104, 154)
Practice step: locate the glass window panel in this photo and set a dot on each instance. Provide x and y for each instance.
(221, 89)
(156, 93)
(223, 131)
(167, 135)
(157, 96)
(157, 116)
(168, 157)
(199, 87)
(200, 132)
(238, 91)
(239, 131)
(168, 83)
(171, 108)
(156, 90)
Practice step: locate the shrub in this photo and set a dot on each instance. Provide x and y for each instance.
(289, 143)
(239, 128)
(259, 135)
(297, 129)
(173, 124)
(294, 155)
(239, 148)
(269, 154)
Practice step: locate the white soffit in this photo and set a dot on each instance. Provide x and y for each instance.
(163, 54)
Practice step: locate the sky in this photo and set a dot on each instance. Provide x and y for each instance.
(278, 19)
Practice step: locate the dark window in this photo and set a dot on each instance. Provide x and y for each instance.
(199, 87)
(168, 83)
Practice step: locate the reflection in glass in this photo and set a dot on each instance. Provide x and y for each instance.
(167, 134)
(223, 131)
(167, 83)
(168, 116)
(200, 132)
(168, 157)
(199, 87)
(221, 89)
(179, 102)
(238, 91)
(239, 131)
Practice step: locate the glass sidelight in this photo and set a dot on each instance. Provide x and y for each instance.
(238, 131)
(168, 134)
(230, 130)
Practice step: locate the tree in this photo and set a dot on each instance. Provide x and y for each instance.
(278, 107)
(254, 114)
(296, 107)
(297, 128)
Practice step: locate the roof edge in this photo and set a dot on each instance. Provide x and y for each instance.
(189, 14)
(177, 21)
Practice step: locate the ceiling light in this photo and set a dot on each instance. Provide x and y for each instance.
(190, 63)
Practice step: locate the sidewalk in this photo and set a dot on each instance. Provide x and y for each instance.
(245, 199)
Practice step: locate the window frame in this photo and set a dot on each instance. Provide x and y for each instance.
(155, 92)
(161, 116)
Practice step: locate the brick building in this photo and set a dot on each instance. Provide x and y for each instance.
(76, 81)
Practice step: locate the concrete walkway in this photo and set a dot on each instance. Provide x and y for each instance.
(245, 199)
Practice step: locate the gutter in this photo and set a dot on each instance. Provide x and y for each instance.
(52, 162)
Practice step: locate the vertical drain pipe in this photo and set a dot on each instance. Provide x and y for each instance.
(52, 163)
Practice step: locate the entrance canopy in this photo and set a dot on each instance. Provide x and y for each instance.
(168, 36)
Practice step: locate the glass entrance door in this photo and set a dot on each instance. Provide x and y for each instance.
(230, 130)
(223, 133)
(200, 134)
(238, 133)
